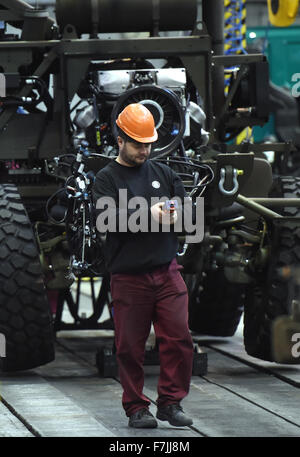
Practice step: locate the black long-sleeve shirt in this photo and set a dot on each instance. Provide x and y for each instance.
(128, 252)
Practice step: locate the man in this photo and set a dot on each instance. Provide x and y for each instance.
(146, 284)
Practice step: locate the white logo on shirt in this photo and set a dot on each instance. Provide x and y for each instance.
(156, 184)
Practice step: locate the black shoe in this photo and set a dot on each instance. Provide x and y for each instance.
(142, 419)
(174, 415)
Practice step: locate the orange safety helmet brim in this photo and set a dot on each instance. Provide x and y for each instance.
(138, 123)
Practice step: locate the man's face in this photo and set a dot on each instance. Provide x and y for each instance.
(133, 153)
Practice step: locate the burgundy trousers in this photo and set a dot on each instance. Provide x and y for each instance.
(138, 300)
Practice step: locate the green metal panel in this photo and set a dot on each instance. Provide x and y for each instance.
(282, 47)
(262, 133)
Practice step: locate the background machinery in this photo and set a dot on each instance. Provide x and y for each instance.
(65, 86)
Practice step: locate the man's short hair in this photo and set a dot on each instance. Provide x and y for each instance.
(125, 137)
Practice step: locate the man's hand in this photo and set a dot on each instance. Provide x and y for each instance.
(163, 216)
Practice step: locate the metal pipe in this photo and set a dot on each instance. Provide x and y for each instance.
(118, 16)
(257, 208)
(213, 17)
(277, 202)
(42, 2)
(18, 5)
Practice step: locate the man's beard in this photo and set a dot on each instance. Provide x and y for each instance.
(130, 161)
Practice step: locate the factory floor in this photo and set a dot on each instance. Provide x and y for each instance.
(239, 396)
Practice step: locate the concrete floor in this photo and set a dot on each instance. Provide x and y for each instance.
(240, 396)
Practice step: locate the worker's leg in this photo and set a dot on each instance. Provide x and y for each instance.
(173, 336)
(133, 302)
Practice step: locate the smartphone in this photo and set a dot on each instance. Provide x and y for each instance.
(170, 205)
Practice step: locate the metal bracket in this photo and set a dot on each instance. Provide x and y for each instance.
(234, 179)
(241, 73)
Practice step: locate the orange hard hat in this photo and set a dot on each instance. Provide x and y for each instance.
(138, 123)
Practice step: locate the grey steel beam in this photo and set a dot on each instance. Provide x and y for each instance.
(254, 147)
(213, 17)
(237, 59)
(277, 202)
(43, 3)
(133, 47)
(4, 45)
(257, 208)
(18, 5)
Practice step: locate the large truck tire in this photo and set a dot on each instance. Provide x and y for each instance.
(25, 319)
(215, 305)
(272, 293)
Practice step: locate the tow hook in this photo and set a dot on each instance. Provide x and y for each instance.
(234, 180)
